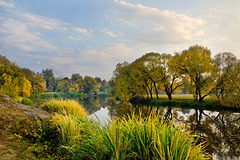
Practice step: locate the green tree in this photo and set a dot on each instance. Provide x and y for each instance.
(149, 66)
(199, 70)
(232, 93)
(76, 76)
(225, 62)
(49, 78)
(90, 85)
(171, 77)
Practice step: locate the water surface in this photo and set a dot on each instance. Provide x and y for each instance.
(219, 129)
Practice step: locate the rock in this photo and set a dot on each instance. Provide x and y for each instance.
(12, 108)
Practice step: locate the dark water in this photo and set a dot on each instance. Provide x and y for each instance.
(220, 129)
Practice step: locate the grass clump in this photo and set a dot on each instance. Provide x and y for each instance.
(142, 138)
(65, 107)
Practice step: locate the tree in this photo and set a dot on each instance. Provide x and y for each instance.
(49, 78)
(12, 79)
(149, 66)
(76, 76)
(37, 82)
(90, 85)
(232, 93)
(171, 77)
(199, 69)
(225, 62)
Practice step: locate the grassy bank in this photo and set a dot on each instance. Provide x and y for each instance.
(178, 97)
(56, 95)
(190, 104)
(133, 137)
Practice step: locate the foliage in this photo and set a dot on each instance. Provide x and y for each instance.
(37, 81)
(26, 128)
(48, 76)
(12, 80)
(193, 70)
(90, 85)
(200, 71)
(232, 94)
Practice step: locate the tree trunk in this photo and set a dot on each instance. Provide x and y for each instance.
(156, 90)
(151, 94)
(169, 96)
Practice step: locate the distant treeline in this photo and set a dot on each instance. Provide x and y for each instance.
(16, 81)
(75, 84)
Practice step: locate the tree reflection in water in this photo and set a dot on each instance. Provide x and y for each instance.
(220, 130)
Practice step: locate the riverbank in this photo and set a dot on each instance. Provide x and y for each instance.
(183, 103)
(78, 137)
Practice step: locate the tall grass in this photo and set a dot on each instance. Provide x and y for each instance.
(133, 137)
(65, 107)
(144, 138)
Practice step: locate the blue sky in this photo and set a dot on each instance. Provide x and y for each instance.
(91, 36)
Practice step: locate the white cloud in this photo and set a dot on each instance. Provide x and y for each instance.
(159, 26)
(113, 50)
(5, 4)
(17, 34)
(75, 38)
(111, 34)
(83, 31)
(36, 21)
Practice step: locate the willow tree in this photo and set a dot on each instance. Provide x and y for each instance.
(199, 69)
(170, 75)
(226, 64)
(149, 66)
(232, 94)
(126, 81)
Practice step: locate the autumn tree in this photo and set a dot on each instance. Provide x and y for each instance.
(199, 69)
(36, 79)
(12, 80)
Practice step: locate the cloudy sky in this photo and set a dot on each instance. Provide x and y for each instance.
(91, 36)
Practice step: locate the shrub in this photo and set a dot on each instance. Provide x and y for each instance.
(27, 101)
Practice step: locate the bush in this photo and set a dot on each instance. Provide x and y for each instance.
(27, 101)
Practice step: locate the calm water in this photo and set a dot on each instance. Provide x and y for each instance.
(220, 129)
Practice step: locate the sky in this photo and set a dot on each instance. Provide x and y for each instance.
(91, 37)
